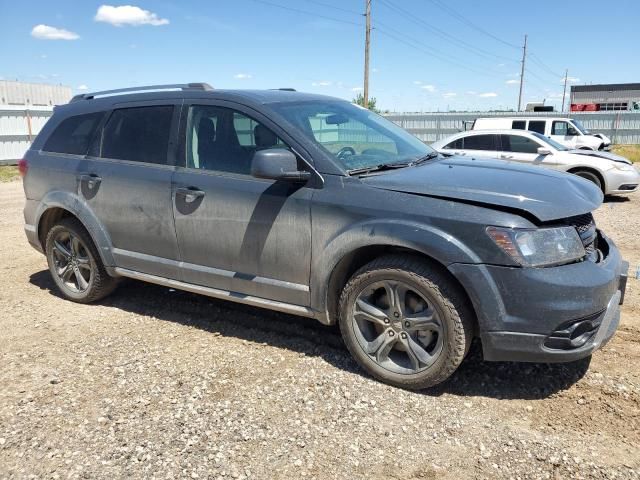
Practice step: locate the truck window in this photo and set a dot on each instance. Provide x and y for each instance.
(537, 126)
(74, 134)
(519, 125)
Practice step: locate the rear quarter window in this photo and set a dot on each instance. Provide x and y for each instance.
(74, 134)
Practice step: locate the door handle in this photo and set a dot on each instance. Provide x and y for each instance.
(506, 156)
(91, 179)
(190, 194)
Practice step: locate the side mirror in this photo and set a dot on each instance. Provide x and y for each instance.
(572, 132)
(277, 164)
(544, 151)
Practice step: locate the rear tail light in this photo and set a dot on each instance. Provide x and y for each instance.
(23, 166)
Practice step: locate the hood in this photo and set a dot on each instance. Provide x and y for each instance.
(545, 194)
(601, 154)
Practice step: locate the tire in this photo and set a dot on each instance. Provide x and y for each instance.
(592, 177)
(433, 318)
(75, 264)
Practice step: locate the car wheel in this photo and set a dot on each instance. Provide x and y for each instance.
(74, 263)
(405, 322)
(592, 177)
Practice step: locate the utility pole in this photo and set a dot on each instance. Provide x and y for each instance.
(524, 58)
(564, 93)
(366, 52)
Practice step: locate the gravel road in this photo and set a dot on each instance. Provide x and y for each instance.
(156, 383)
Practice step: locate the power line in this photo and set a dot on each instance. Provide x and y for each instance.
(442, 33)
(468, 22)
(306, 12)
(541, 64)
(411, 42)
(340, 9)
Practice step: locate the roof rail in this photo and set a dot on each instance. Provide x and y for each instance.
(285, 89)
(148, 88)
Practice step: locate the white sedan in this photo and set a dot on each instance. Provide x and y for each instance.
(612, 173)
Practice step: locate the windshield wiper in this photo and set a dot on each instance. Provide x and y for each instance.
(426, 158)
(378, 168)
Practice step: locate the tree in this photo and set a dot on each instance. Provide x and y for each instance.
(359, 100)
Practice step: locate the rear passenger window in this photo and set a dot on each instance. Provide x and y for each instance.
(74, 134)
(139, 134)
(537, 126)
(479, 142)
(519, 125)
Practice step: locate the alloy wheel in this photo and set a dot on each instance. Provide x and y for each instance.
(71, 261)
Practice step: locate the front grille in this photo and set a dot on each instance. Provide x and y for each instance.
(586, 227)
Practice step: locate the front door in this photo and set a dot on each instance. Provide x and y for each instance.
(523, 149)
(564, 133)
(126, 180)
(238, 233)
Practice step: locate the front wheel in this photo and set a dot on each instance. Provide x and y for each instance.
(405, 321)
(592, 177)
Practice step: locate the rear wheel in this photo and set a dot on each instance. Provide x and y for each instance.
(75, 264)
(591, 176)
(405, 322)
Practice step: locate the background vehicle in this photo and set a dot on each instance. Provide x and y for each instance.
(611, 173)
(565, 131)
(314, 206)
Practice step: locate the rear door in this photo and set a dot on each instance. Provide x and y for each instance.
(126, 180)
(477, 146)
(238, 233)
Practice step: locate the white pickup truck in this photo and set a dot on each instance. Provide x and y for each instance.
(566, 131)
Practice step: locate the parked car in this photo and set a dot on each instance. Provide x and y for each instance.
(611, 173)
(565, 131)
(313, 206)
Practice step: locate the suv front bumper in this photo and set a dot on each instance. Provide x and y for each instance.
(556, 314)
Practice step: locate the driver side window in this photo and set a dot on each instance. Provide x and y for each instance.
(560, 128)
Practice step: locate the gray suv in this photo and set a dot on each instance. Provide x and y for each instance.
(313, 206)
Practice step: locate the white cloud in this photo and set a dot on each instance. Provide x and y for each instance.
(323, 83)
(46, 32)
(570, 79)
(43, 56)
(513, 81)
(357, 89)
(417, 82)
(429, 88)
(242, 76)
(488, 95)
(128, 15)
(82, 87)
(471, 92)
(449, 94)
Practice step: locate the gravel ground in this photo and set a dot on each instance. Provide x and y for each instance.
(156, 383)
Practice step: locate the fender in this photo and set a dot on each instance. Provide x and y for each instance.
(80, 209)
(422, 238)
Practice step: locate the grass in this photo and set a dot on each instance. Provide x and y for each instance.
(8, 173)
(632, 152)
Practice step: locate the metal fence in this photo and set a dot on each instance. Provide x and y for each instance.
(620, 127)
(18, 127)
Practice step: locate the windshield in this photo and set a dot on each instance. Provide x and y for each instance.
(580, 127)
(355, 137)
(550, 141)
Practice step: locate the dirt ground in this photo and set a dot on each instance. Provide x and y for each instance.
(156, 383)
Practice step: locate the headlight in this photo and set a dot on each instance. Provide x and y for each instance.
(625, 167)
(539, 247)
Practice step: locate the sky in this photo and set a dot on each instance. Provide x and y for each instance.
(426, 55)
